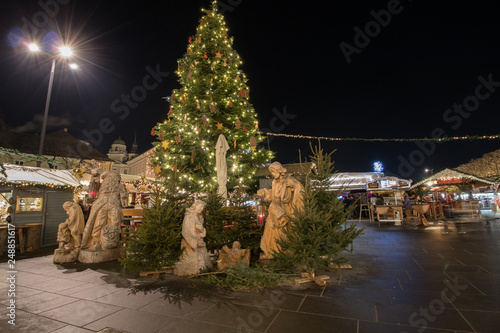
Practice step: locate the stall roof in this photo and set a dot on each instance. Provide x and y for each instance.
(448, 175)
(17, 174)
(354, 180)
(361, 180)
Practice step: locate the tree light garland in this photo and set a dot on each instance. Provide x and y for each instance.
(443, 139)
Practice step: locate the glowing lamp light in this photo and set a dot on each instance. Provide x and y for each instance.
(65, 51)
(33, 47)
(73, 66)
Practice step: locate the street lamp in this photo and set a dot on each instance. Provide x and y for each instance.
(66, 52)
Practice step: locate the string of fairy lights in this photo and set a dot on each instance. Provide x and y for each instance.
(441, 139)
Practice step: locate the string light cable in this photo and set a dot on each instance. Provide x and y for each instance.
(440, 139)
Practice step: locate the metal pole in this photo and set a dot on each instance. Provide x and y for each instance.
(47, 103)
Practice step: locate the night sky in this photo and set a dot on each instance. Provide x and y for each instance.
(304, 59)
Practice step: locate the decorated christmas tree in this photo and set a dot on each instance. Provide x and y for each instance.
(213, 100)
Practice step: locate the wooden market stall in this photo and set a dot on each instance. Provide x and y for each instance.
(31, 199)
(450, 192)
(380, 197)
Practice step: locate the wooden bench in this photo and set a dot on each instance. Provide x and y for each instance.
(20, 238)
(131, 219)
(132, 214)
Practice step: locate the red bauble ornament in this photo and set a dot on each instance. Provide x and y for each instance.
(189, 40)
(244, 128)
(230, 104)
(206, 57)
(153, 133)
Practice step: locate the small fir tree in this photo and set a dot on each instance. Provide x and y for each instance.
(213, 100)
(243, 218)
(236, 222)
(216, 222)
(319, 232)
(157, 242)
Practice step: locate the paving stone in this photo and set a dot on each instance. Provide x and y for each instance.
(339, 307)
(126, 298)
(483, 321)
(72, 329)
(380, 295)
(422, 316)
(270, 299)
(288, 321)
(43, 302)
(239, 316)
(93, 292)
(178, 307)
(188, 326)
(132, 321)
(28, 322)
(56, 284)
(81, 312)
(374, 327)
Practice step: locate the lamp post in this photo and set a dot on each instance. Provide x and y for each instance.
(66, 52)
(47, 104)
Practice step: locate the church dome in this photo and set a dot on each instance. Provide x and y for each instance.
(119, 142)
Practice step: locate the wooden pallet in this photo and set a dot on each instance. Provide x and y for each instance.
(156, 274)
(310, 277)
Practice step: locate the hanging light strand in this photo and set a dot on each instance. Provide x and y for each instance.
(441, 139)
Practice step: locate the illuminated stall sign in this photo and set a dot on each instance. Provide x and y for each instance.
(449, 181)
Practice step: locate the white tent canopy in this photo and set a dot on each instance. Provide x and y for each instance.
(24, 174)
(366, 180)
(354, 180)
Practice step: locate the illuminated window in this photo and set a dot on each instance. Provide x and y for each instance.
(29, 204)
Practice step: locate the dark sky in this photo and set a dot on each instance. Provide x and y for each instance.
(401, 83)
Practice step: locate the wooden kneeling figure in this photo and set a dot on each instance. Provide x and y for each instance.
(232, 257)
